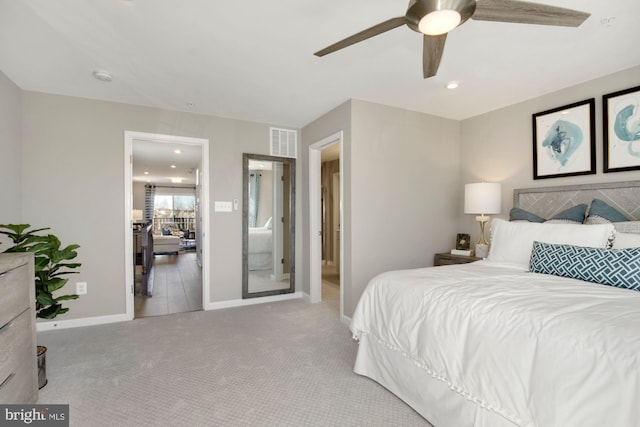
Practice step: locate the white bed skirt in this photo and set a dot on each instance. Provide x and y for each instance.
(260, 261)
(431, 398)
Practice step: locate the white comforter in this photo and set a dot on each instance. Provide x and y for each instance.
(260, 240)
(539, 350)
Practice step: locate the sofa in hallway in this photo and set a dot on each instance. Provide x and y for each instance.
(163, 244)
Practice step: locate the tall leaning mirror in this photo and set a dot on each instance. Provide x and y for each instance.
(268, 225)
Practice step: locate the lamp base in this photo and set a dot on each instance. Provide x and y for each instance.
(482, 250)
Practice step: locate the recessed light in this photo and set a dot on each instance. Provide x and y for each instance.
(146, 172)
(176, 180)
(608, 21)
(452, 85)
(103, 76)
(173, 166)
(177, 151)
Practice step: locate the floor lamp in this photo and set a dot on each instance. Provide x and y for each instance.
(482, 198)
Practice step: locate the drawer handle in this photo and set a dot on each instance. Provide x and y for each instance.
(6, 381)
(7, 326)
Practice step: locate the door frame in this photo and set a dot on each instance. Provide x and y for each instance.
(315, 218)
(129, 138)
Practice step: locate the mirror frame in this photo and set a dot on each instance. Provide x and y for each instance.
(245, 224)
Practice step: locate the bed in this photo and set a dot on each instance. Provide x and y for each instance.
(260, 254)
(492, 344)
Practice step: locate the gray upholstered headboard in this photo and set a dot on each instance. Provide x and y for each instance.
(548, 201)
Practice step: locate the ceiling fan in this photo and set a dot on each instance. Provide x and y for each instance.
(435, 18)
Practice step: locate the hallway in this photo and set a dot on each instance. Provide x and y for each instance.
(331, 286)
(177, 286)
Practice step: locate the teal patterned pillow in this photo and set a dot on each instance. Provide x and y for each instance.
(613, 267)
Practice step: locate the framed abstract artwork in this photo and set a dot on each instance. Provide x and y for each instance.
(564, 141)
(621, 123)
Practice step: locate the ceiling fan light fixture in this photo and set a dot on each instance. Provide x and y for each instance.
(439, 22)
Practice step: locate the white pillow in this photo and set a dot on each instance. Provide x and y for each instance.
(627, 227)
(626, 240)
(512, 242)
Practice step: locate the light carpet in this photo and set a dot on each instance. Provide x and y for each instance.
(279, 364)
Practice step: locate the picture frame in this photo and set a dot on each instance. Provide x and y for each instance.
(620, 153)
(463, 241)
(564, 141)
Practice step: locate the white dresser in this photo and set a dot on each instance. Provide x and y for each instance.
(18, 364)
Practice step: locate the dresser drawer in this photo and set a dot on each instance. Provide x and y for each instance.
(17, 377)
(14, 288)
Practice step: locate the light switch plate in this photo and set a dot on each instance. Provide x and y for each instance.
(222, 206)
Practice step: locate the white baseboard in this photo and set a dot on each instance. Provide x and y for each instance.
(346, 320)
(251, 301)
(76, 323)
(306, 297)
(114, 318)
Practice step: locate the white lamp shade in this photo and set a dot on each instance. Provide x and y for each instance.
(482, 198)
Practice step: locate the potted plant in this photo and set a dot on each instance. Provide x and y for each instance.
(51, 265)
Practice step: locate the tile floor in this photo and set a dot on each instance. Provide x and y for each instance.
(177, 286)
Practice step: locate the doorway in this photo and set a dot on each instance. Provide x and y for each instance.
(166, 222)
(326, 221)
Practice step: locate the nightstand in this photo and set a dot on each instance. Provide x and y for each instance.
(448, 259)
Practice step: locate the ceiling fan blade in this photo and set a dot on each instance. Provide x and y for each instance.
(432, 50)
(523, 12)
(382, 27)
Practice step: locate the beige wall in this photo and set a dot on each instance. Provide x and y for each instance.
(265, 197)
(404, 181)
(336, 120)
(401, 183)
(10, 146)
(137, 190)
(73, 181)
(497, 146)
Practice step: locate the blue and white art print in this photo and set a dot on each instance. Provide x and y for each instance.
(564, 141)
(621, 120)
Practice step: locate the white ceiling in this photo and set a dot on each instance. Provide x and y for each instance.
(152, 162)
(253, 59)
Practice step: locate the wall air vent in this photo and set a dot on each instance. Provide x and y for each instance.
(284, 142)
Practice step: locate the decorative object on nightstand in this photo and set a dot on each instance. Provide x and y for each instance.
(463, 245)
(450, 259)
(482, 198)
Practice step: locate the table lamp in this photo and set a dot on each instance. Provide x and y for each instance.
(482, 198)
